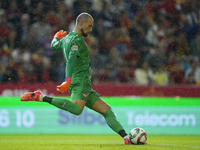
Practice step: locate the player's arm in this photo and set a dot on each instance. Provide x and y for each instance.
(69, 71)
(55, 43)
(71, 63)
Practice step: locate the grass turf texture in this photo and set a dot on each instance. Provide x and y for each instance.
(96, 142)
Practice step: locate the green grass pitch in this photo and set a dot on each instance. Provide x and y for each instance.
(96, 142)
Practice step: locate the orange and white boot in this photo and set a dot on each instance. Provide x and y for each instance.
(127, 141)
(32, 96)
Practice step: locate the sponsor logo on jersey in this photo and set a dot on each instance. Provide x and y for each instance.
(85, 95)
(74, 48)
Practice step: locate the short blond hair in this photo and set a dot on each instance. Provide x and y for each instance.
(83, 17)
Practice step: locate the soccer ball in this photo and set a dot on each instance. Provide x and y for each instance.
(138, 136)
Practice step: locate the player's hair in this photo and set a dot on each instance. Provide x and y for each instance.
(83, 17)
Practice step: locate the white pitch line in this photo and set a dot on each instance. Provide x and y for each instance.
(198, 147)
(179, 145)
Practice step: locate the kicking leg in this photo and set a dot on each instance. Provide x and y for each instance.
(103, 108)
(75, 106)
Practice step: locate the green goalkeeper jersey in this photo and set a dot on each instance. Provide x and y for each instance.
(76, 54)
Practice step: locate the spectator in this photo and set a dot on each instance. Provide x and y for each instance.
(142, 19)
(52, 18)
(125, 21)
(132, 57)
(190, 80)
(99, 30)
(19, 54)
(104, 75)
(45, 43)
(38, 66)
(5, 27)
(31, 41)
(189, 29)
(124, 41)
(171, 61)
(177, 75)
(195, 45)
(14, 13)
(169, 7)
(81, 6)
(124, 75)
(152, 7)
(10, 75)
(191, 70)
(37, 12)
(107, 16)
(155, 58)
(133, 7)
(66, 22)
(160, 76)
(62, 8)
(187, 62)
(96, 63)
(24, 27)
(46, 64)
(142, 45)
(5, 56)
(197, 73)
(143, 74)
(41, 28)
(115, 62)
(12, 40)
(156, 33)
(182, 47)
(98, 5)
(194, 15)
(118, 5)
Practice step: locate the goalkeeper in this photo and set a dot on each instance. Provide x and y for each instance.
(78, 76)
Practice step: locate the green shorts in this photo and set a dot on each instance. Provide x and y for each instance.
(85, 93)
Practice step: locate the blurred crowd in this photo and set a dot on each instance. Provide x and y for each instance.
(141, 42)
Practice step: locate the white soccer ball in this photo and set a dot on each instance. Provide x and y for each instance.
(138, 136)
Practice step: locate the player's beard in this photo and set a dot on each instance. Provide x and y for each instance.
(83, 34)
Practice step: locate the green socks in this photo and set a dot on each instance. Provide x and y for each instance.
(113, 123)
(64, 104)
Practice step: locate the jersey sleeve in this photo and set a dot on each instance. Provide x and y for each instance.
(56, 44)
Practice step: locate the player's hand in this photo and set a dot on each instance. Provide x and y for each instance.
(60, 34)
(64, 86)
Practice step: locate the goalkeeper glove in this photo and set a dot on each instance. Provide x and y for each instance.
(60, 34)
(64, 86)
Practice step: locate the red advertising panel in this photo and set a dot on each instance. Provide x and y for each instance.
(106, 90)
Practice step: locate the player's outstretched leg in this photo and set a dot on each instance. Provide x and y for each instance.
(58, 102)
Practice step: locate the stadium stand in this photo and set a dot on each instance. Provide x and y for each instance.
(149, 42)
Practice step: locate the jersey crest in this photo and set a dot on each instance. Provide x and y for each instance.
(74, 48)
(85, 95)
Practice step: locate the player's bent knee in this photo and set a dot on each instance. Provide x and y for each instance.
(77, 109)
(78, 106)
(78, 112)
